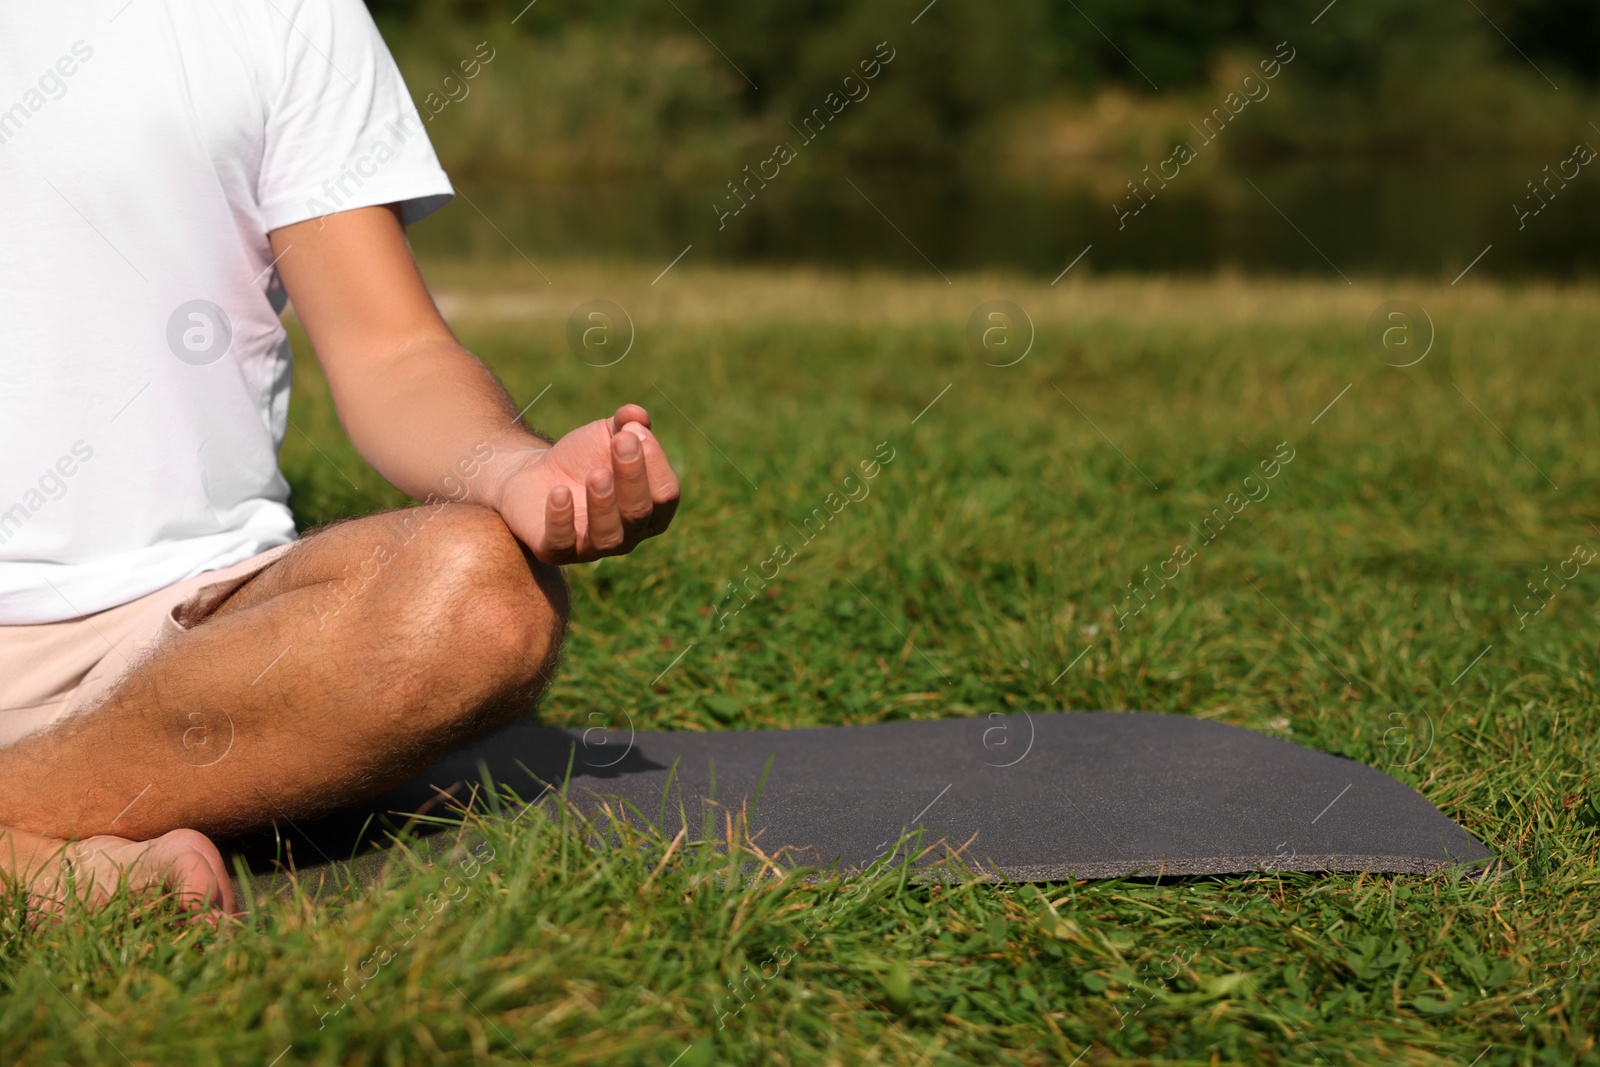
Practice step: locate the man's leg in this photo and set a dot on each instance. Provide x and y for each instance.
(346, 666)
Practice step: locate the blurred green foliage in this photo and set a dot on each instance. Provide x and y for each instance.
(656, 86)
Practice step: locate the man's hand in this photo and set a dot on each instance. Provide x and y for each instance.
(598, 491)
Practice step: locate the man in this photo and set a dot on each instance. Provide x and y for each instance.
(173, 663)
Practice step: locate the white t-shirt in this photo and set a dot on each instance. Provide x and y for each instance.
(146, 149)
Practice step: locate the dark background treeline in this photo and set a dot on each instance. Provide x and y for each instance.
(682, 86)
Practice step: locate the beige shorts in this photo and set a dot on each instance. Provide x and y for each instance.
(55, 669)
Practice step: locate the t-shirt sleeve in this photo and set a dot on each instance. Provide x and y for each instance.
(341, 129)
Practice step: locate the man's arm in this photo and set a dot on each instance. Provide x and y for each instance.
(425, 412)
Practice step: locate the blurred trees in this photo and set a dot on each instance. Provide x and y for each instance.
(617, 86)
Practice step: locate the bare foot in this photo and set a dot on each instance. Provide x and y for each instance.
(182, 862)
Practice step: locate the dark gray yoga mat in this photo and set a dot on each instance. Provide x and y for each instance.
(1037, 796)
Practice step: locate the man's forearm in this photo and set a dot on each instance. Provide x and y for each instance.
(435, 423)
(432, 419)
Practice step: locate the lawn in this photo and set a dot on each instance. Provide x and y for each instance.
(1379, 603)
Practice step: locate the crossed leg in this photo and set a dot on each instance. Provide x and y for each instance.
(346, 666)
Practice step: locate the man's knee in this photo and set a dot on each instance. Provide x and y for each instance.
(486, 595)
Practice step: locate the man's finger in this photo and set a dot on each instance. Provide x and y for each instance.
(663, 479)
(560, 527)
(633, 483)
(605, 521)
(629, 413)
(661, 516)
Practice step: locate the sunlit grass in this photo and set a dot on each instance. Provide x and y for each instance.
(1369, 605)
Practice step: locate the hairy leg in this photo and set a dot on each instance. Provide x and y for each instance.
(349, 664)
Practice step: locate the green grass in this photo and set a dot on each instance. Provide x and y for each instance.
(1343, 612)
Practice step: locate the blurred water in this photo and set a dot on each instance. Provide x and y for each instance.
(1312, 220)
